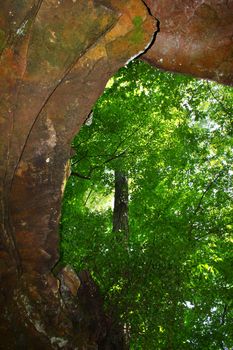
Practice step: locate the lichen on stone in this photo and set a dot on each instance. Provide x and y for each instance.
(138, 34)
(2, 39)
(22, 29)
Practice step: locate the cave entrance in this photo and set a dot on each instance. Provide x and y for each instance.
(147, 207)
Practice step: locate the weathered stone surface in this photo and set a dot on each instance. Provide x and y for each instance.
(69, 280)
(196, 37)
(56, 57)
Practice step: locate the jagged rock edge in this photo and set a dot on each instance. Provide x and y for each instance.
(153, 38)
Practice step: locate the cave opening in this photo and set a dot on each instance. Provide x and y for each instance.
(146, 211)
(56, 57)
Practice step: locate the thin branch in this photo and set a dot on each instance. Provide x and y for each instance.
(209, 186)
(88, 196)
(80, 159)
(224, 108)
(75, 173)
(88, 177)
(207, 189)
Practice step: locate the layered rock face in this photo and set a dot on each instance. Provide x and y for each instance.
(56, 57)
(196, 37)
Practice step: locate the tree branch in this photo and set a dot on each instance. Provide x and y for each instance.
(75, 173)
(209, 186)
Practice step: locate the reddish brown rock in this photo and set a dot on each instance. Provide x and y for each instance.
(196, 37)
(70, 281)
(56, 57)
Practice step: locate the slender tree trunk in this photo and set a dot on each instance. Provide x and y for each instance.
(121, 228)
(121, 199)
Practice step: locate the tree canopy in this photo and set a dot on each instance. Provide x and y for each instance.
(169, 281)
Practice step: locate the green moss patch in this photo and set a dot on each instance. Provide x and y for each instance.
(2, 39)
(138, 34)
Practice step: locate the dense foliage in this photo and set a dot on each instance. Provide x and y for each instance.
(170, 281)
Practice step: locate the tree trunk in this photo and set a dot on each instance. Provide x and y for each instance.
(121, 230)
(121, 200)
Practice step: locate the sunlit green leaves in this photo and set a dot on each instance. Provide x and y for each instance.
(171, 282)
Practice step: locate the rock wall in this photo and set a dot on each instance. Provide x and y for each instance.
(55, 59)
(196, 37)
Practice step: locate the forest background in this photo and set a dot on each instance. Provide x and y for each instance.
(148, 208)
